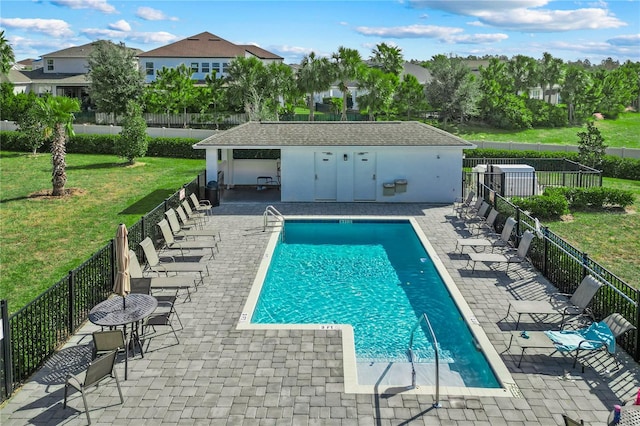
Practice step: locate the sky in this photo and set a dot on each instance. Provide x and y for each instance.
(570, 30)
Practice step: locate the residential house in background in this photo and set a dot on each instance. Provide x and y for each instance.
(204, 53)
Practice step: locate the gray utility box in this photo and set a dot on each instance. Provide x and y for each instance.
(401, 185)
(388, 188)
(513, 180)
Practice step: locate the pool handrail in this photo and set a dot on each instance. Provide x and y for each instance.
(424, 317)
(271, 211)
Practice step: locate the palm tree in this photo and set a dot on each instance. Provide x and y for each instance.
(388, 58)
(347, 63)
(6, 53)
(247, 85)
(314, 75)
(551, 72)
(56, 113)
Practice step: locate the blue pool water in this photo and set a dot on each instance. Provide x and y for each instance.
(377, 277)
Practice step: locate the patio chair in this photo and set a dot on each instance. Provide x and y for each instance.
(110, 340)
(460, 204)
(487, 223)
(186, 222)
(100, 369)
(568, 421)
(156, 265)
(557, 305)
(195, 216)
(147, 285)
(161, 319)
(187, 231)
(172, 244)
(597, 336)
(477, 217)
(200, 205)
(518, 257)
(503, 239)
(473, 209)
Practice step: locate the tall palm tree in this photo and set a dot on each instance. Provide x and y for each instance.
(314, 75)
(347, 63)
(6, 54)
(388, 58)
(551, 72)
(56, 113)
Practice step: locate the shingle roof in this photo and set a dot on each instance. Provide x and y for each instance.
(327, 133)
(206, 45)
(78, 51)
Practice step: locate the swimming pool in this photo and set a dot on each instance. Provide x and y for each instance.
(379, 278)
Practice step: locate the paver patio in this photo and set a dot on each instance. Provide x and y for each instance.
(222, 376)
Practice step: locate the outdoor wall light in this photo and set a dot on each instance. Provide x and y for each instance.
(345, 157)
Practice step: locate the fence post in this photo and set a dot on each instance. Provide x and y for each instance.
(5, 343)
(545, 265)
(636, 352)
(585, 262)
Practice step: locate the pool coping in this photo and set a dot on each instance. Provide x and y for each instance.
(508, 385)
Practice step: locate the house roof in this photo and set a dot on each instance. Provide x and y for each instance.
(16, 77)
(327, 133)
(206, 45)
(78, 51)
(40, 77)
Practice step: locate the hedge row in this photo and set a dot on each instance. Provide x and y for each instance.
(105, 144)
(612, 166)
(557, 201)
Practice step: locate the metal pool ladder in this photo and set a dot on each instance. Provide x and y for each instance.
(273, 212)
(425, 318)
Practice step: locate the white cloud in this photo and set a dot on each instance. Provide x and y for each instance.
(527, 15)
(34, 48)
(51, 27)
(99, 5)
(409, 31)
(444, 34)
(151, 14)
(632, 40)
(121, 25)
(477, 38)
(288, 50)
(139, 37)
(594, 49)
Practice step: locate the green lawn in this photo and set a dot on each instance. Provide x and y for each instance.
(43, 239)
(623, 132)
(610, 238)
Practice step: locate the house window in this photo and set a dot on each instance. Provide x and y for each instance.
(49, 64)
(194, 67)
(205, 67)
(225, 67)
(149, 68)
(535, 94)
(215, 67)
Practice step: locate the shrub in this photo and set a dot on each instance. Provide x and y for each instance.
(105, 144)
(544, 206)
(594, 198)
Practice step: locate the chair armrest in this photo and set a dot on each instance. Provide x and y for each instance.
(205, 202)
(557, 295)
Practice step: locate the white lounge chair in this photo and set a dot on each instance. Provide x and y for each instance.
(172, 244)
(503, 239)
(154, 264)
(518, 257)
(557, 303)
(187, 231)
(200, 205)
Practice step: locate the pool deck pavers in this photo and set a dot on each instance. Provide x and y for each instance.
(218, 375)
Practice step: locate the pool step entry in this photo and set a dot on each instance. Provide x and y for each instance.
(436, 350)
(271, 211)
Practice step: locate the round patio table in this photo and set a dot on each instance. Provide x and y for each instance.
(113, 313)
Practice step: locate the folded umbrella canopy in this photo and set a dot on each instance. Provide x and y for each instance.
(122, 284)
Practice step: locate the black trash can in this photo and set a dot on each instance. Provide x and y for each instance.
(211, 193)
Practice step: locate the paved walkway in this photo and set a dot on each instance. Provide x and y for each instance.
(222, 376)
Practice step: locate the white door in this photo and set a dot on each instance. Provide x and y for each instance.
(364, 176)
(326, 175)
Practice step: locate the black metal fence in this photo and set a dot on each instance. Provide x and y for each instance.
(504, 177)
(565, 266)
(31, 335)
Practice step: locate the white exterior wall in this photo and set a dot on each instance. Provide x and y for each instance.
(429, 178)
(245, 172)
(67, 66)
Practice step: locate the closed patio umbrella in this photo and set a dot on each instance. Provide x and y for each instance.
(122, 284)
